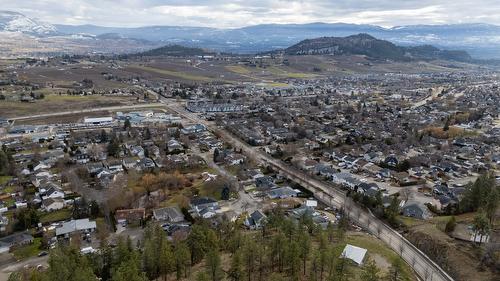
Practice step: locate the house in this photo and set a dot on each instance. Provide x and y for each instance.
(146, 163)
(53, 192)
(73, 226)
(94, 168)
(115, 166)
(4, 222)
(309, 211)
(416, 210)
(129, 163)
(168, 214)
(255, 220)
(356, 254)
(368, 189)
(324, 171)
(173, 146)
(53, 204)
(130, 216)
(204, 207)
(264, 183)
(391, 161)
(235, 159)
(309, 164)
(14, 240)
(345, 179)
(192, 129)
(137, 150)
(282, 193)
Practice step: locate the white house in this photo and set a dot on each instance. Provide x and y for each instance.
(53, 204)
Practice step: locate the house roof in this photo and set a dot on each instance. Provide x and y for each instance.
(75, 225)
(15, 239)
(169, 212)
(202, 201)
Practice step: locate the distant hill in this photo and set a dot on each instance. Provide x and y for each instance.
(175, 51)
(16, 22)
(364, 44)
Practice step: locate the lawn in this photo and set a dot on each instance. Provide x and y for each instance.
(4, 179)
(58, 215)
(28, 251)
(376, 247)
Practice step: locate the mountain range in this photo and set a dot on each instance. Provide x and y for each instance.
(479, 40)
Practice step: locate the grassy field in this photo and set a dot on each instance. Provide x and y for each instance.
(238, 69)
(58, 103)
(175, 74)
(378, 252)
(4, 179)
(28, 251)
(58, 215)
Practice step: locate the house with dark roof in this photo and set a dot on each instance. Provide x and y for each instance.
(282, 193)
(14, 240)
(204, 207)
(255, 220)
(416, 210)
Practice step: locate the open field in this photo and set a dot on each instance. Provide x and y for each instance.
(174, 74)
(56, 103)
(58, 215)
(378, 252)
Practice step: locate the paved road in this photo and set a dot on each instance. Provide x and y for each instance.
(331, 195)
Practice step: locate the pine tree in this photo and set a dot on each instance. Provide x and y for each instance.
(304, 241)
(370, 271)
(214, 265)
(236, 272)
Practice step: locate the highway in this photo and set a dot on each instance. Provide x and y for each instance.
(332, 196)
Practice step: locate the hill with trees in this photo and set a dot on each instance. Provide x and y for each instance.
(364, 44)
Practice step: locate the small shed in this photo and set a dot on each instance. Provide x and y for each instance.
(356, 254)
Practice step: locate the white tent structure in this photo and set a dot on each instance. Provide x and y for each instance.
(356, 254)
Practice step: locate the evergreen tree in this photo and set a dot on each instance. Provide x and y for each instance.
(450, 225)
(214, 265)
(304, 241)
(127, 125)
(182, 260)
(396, 270)
(370, 271)
(237, 272)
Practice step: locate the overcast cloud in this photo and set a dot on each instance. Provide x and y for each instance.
(238, 13)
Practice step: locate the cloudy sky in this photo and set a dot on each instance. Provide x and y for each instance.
(238, 13)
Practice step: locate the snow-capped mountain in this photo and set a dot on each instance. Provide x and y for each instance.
(17, 22)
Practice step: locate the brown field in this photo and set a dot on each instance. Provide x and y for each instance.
(56, 103)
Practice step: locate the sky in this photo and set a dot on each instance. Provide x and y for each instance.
(239, 13)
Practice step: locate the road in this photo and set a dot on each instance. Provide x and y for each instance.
(333, 196)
